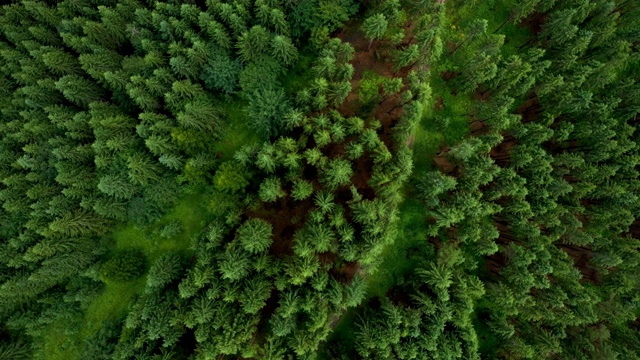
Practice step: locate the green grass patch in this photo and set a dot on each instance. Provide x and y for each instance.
(343, 337)
(113, 301)
(57, 344)
(237, 131)
(489, 343)
(111, 304)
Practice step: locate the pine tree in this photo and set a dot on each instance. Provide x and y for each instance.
(79, 223)
(142, 169)
(163, 271)
(302, 189)
(78, 90)
(477, 27)
(255, 235)
(374, 27)
(253, 43)
(271, 190)
(337, 173)
(283, 50)
(62, 63)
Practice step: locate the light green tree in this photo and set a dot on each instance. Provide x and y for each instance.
(337, 173)
(302, 189)
(374, 27)
(271, 190)
(255, 235)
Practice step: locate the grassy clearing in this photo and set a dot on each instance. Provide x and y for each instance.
(343, 336)
(113, 301)
(58, 345)
(237, 132)
(397, 262)
(190, 211)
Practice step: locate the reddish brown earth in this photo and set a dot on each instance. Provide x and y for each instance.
(477, 127)
(481, 94)
(448, 75)
(500, 153)
(439, 105)
(443, 163)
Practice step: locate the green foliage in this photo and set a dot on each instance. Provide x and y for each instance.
(163, 271)
(221, 73)
(101, 345)
(271, 190)
(374, 27)
(172, 229)
(337, 173)
(230, 177)
(124, 266)
(302, 189)
(332, 14)
(266, 108)
(15, 350)
(369, 90)
(516, 237)
(255, 235)
(283, 50)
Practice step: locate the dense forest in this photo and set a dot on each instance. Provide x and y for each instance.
(319, 179)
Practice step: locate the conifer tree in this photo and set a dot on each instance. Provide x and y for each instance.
(374, 27)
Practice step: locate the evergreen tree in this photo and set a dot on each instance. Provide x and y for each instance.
(374, 27)
(271, 190)
(255, 235)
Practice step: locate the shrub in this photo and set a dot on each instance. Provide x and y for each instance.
(124, 266)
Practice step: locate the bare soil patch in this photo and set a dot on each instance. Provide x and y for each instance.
(500, 153)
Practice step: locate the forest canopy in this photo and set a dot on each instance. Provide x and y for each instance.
(319, 179)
